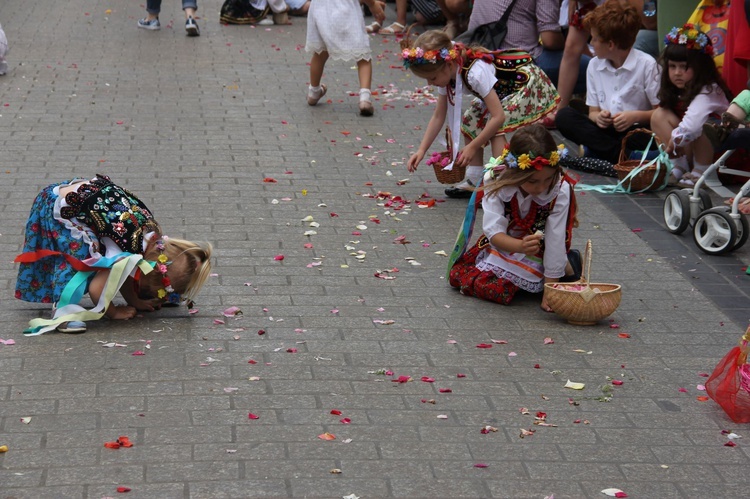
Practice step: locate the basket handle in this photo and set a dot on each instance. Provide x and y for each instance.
(623, 145)
(586, 264)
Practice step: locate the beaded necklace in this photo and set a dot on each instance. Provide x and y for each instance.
(526, 222)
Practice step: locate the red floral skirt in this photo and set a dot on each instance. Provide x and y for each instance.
(471, 281)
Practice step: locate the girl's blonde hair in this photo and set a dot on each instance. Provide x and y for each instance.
(188, 271)
(532, 140)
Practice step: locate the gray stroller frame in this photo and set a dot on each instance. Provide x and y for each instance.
(716, 230)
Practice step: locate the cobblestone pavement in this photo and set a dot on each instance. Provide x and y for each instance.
(195, 126)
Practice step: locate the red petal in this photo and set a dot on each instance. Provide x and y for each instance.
(460, 375)
(123, 489)
(336, 412)
(623, 335)
(702, 399)
(269, 180)
(261, 332)
(345, 420)
(620, 494)
(481, 465)
(251, 361)
(427, 379)
(124, 441)
(682, 390)
(484, 345)
(616, 382)
(445, 390)
(111, 445)
(278, 258)
(730, 444)
(253, 416)
(291, 350)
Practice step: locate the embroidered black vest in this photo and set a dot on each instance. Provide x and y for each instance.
(111, 211)
(509, 70)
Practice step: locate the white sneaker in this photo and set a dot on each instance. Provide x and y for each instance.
(266, 21)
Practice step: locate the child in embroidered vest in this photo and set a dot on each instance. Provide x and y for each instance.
(509, 91)
(529, 214)
(336, 28)
(96, 237)
(691, 91)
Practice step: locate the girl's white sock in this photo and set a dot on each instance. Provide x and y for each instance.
(680, 166)
(364, 94)
(314, 91)
(474, 173)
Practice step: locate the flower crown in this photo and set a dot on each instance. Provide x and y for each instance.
(692, 37)
(420, 56)
(162, 266)
(527, 160)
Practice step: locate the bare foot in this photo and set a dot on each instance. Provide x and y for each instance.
(121, 312)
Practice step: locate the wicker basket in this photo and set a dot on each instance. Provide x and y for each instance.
(454, 175)
(583, 303)
(649, 178)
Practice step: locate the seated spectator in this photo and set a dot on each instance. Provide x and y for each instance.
(456, 13)
(622, 84)
(425, 12)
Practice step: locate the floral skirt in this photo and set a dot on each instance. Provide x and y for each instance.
(43, 281)
(532, 103)
(485, 285)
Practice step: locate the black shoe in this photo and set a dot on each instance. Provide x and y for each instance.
(462, 190)
(574, 258)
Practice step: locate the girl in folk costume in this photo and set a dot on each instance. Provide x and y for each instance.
(509, 91)
(95, 237)
(529, 214)
(691, 90)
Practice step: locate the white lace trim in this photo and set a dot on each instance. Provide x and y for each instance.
(357, 54)
(525, 284)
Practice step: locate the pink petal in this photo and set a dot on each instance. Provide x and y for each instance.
(481, 465)
(500, 342)
(253, 416)
(402, 379)
(232, 312)
(616, 382)
(701, 388)
(345, 420)
(291, 350)
(427, 379)
(138, 352)
(682, 390)
(278, 258)
(512, 354)
(548, 341)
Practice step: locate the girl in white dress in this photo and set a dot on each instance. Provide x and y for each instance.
(336, 28)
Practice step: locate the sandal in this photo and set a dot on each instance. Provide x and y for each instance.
(312, 99)
(394, 29)
(373, 27)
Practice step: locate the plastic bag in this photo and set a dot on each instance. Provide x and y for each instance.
(724, 385)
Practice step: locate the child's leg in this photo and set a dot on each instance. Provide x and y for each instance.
(575, 44)
(364, 71)
(663, 121)
(317, 64)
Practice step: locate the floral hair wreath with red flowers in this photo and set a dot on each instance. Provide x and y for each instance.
(691, 37)
(524, 161)
(161, 265)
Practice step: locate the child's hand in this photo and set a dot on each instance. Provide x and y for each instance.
(604, 119)
(463, 158)
(531, 244)
(623, 121)
(414, 161)
(146, 305)
(121, 312)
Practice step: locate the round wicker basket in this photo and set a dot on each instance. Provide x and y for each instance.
(649, 178)
(583, 303)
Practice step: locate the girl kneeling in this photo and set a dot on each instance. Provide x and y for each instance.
(529, 214)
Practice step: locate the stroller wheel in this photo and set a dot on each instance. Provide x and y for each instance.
(715, 231)
(677, 211)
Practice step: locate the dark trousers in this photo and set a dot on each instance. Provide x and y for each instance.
(603, 143)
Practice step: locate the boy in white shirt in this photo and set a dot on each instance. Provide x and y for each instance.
(622, 84)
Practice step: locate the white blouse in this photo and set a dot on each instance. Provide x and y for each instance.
(710, 100)
(515, 266)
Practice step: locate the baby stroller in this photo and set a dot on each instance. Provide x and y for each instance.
(716, 230)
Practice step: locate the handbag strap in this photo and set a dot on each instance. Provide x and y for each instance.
(506, 14)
